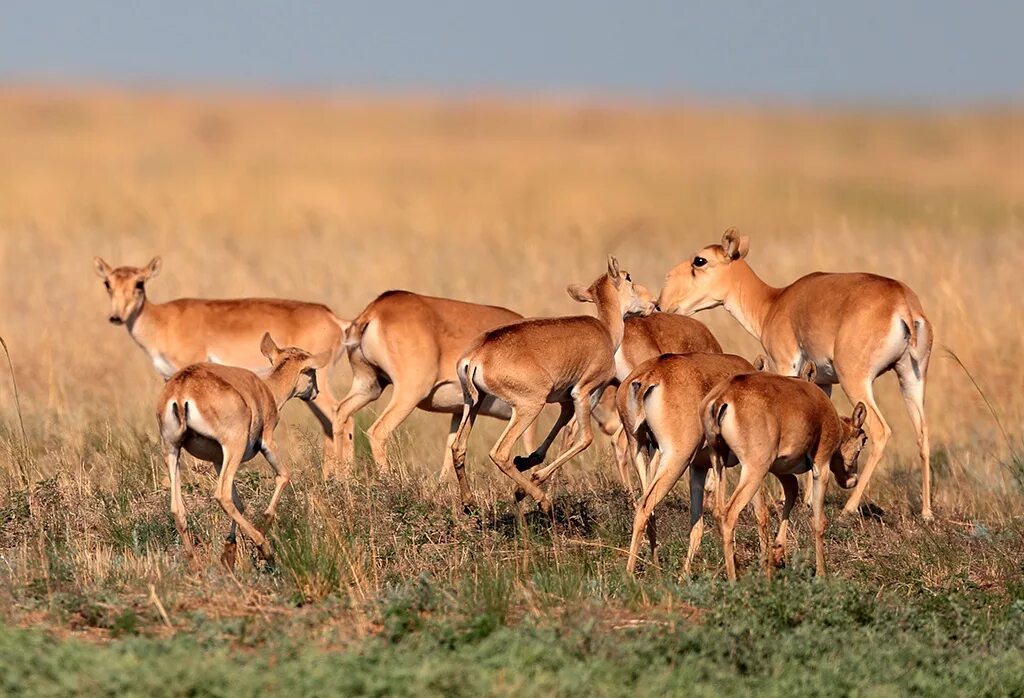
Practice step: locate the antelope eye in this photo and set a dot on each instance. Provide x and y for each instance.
(139, 285)
(699, 261)
(106, 284)
(628, 278)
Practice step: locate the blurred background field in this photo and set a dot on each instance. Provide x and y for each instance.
(496, 201)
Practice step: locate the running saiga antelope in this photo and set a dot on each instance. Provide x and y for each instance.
(226, 415)
(658, 404)
(412, 342)
(852, 327)
(785, 426)
(191, 330)
(528, 364)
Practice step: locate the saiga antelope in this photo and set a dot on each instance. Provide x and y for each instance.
(852, 327)
(226, 415)
(527, 364)
(187, 331)
(658, 405)
(412, 342)
(785, 426)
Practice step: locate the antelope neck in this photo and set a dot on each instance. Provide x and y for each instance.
(749, 299)
(281, 382)
(608, 311)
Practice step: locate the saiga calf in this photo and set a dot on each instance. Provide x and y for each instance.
(527, 364)
(658, 404)
(785, 426)
(226, 415)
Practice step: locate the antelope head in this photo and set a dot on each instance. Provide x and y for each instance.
(615, 288)
(844, 460)
(126, 287)
(296, 368)
(704, 281)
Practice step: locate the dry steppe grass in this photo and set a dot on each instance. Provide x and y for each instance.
(336, 200)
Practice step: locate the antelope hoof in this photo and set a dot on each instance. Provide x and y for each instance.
(520, 494)
(779, 556)
(545, 505)
(469, 508)
(229, 555)
(523, 463)
(265, 553)
(927, 515)
(267, 521)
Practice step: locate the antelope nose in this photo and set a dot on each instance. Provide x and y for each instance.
(115, 320)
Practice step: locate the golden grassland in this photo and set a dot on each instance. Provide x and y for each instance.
(336, 200)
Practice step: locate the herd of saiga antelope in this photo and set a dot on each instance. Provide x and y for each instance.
(681, 402)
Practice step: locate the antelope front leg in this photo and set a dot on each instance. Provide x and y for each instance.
(582, 403)
(698, 477)
(281, 477)
(821, 474)
(524, 463)
(791, 488)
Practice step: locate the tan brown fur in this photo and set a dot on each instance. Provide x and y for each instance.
(658, 405)
(527, 364)
(412, 342)
(785, 426)
(226, 415)
(187, 331)
(853, 327)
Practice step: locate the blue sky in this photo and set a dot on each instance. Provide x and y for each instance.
(940, 52)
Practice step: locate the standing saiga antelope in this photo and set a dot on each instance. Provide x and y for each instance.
(658, 404)
(226, 415)
(528, 364)
(852, 327)
(412, 342)
(193, 330)
(785, 426)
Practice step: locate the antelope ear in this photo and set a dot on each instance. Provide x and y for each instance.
(613, 269)
(318, 361)
(102, 268)
(735, 245)
(578, 293)
(808, 371)
(860, 412)
(761, 363)
(153, 268)
(268, 348)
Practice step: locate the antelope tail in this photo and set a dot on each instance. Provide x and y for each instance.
(179, 415)
(638, 392)
(919, 335)
(713, 421)
(467, 376)
(353, 332)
